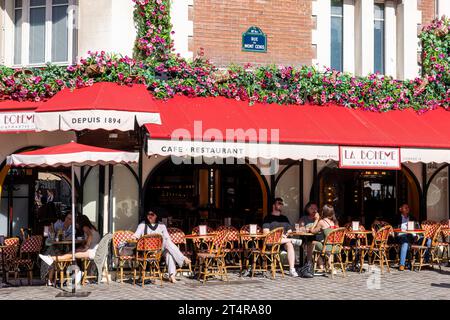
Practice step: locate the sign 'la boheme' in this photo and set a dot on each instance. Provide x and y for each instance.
(254, 40)
(369, 158)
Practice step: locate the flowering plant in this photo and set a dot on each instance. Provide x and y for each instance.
(167, 74)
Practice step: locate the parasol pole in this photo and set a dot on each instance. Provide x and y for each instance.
(74, 284)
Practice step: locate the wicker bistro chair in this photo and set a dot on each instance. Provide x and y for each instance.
(119, 237)
(233, 249)
(201, 245)
(9, 253)
(212, 263)
(248, 244)
(29, 251)
(179, 238)
(99, 260)
(432, 231)
(12, 242)
(392, 244)
(332, 247)
(355, 245)
(148, 255)
(379, 247)
(269, 253)
(445, 243)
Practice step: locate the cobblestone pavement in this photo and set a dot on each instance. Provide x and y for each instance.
(426, 284)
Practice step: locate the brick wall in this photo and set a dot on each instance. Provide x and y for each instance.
(219, 24)
(428, 10)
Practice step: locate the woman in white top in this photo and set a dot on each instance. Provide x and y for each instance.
(171, 252)
(87, 250)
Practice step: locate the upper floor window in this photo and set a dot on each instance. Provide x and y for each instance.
(337, 26)
(42, 32)
(379, 38)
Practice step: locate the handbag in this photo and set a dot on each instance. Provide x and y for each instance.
(306, 271)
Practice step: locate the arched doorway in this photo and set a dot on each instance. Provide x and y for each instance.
(368, 194)
(193, 194)
(32, 197)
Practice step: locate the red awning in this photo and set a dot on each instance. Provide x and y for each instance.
(17, 116)
(330, 125)
(104, 105)
(69, 154)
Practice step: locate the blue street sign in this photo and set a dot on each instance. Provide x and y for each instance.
(254, 40)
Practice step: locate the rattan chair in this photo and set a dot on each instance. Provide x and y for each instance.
(269, 253)
(248, 243)
(379, 247)
(148, 256)
(354, 245)
(233, 249)
(445, 243)
(332, 247)
(432, 231)
(99, 260)
(119, 237)
(29, 250)
(9, 253)
(212, 263)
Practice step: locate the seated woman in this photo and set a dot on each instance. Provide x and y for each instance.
(65, 227)
(171, 252)
(322, 227)
(87, 250)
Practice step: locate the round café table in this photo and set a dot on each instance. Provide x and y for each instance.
(306, 236)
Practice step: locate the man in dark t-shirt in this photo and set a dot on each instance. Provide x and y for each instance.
(276, 220)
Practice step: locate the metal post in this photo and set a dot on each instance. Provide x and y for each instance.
(74, 262)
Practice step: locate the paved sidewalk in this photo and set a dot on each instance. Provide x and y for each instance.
(427, 284)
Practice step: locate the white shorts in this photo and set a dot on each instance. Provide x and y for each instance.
(92, 252)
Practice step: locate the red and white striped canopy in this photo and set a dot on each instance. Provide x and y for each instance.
(71, 154)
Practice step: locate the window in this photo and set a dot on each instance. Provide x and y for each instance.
(337, 20)
(379, 38)
(42, 32)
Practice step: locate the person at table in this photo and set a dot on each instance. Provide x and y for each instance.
(63, 226)
(86, 250)
(306, 222)
(171, 252)
(322, 227)
(276, 220)
(404, 239)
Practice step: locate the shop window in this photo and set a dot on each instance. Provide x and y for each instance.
(43, 31)
(379, 38)
(337, 27)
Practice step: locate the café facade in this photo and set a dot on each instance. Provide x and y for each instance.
(207, 159)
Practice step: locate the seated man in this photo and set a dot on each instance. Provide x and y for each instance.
(306, 222)
(406, 239)
(276, 220)
(171, 252)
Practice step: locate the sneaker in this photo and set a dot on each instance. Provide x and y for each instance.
(293, 273)
(401, 268)
(297, 242)
(247, 273)
(47, 259)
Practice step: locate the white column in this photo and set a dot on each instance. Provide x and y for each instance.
(390, 39)
(407, 40)
(182, 26)
(364, 33)
(7, 30)
(443, 8)
(349, 36)
(321, 37)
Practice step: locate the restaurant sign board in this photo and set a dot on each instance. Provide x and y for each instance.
(254, 40)
(17, 121)
(369, 158)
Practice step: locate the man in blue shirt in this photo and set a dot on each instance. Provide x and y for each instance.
(404, 239)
